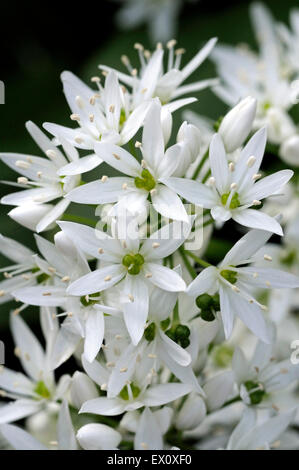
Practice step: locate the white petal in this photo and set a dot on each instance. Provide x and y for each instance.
(82, 389)
(198, 58)
(267, 186)
(203, 282)
(99, 192)
(18, 410)
(165, 278)
(94, 334)
(123, 162)
(227, 313)
(152, 137)
(104, 406)
(20, 439)
(14, 250)
(220, 213)
(31, 353)
(31, 196)
(96, 436)
(219, 163)
(80, 166)
(50, 217)
(148, 435)
(193, 191)
(95, 281)
(136, 311)
(246, 247)
(41, 295)
(168, 203)
(161, 394)
(66, 433)
(218, 389)
(15, 382)
(30, 215)
(257, 219)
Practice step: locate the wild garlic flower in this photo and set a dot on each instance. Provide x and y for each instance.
(153, 80)
(40, 182)
(233, 278)
(233, 188)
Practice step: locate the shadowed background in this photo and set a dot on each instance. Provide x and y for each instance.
(38, 44)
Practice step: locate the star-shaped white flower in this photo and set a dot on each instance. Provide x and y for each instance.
(40, 182)
(233, 280)
(144, 179)
(234, 187)
(131, 262)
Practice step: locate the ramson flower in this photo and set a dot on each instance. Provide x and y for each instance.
(137, 265)
(233, 278)
(259, 377)
(144, 179)
(37, 390)
(250, 434)
(234, 188)
(105, 115)
(40, 182)
(243, 73)
(84, 314)
(166, 84)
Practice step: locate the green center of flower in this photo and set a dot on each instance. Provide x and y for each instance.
(180, 335)
(42, 390)
(208, 305)
(256, 393)
(289, 258)
(230, 276)
(222, 355)
(150, 332)
(122, 117)
(234, 203)
(91, 299)
(42, 277)
(146, 181)
(133, 262)
(124, 393)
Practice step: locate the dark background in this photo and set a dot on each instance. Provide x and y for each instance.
(39, 42)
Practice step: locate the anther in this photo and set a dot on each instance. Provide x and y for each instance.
(156, 245)
(22, 180)
(75, 117)
(171, 43)
(251, 160)
(100, 251)
(79, 101)
(117, 157)
(104, 178)
(231, 166)
(256, 202)
(65, 279)
(267, 257)
(22, 164)
(107, 278)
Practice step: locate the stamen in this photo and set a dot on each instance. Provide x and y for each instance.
(78, 140)
(79, 101)
(138, 144)
(107, 278)
(251, 161)
(22, 180)
(104, 178)
(125, 186)
(231, 166)
(75, 117)
(66, 279)
(256, 176)
(148, 275)
(95, 79)
(51, 153)
(112, 108)
(117, 157)
(123, 369)
(91, 117)
(267, 257)
(256, 202)
(156, 245)
(22, 164)
(101, 251)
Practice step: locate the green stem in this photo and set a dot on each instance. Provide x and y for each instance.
(79, 219)
(176, 316)
(200, 165)
(188, 265)
(207, 222)
(231, 401)
(200, 261)
(206, 176)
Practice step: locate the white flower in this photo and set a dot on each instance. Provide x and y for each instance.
(136, 265)
(237, 123)
(144, 179)
(154, 81)
(249, 434)
(40, 181)
(106, 115)
(37, 391)
(84, 315)
(23, 440)
(233, 280)
(262, 375)
(233, 188)
(161, 17)
(289, 150)
(244, 73)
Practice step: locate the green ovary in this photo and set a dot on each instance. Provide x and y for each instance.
(124, 393)
(133, 262)
(256, 394)
(42, 390)
(146, 181)
(122, 117)
(222, 355)
(91, 299)
(234, 203)
(230, 276)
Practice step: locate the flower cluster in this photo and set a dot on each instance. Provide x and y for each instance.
(162, 339)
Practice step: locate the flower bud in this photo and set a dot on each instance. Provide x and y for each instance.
(237, 123)
(289, 150)
(189, 137)
(192, 413)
